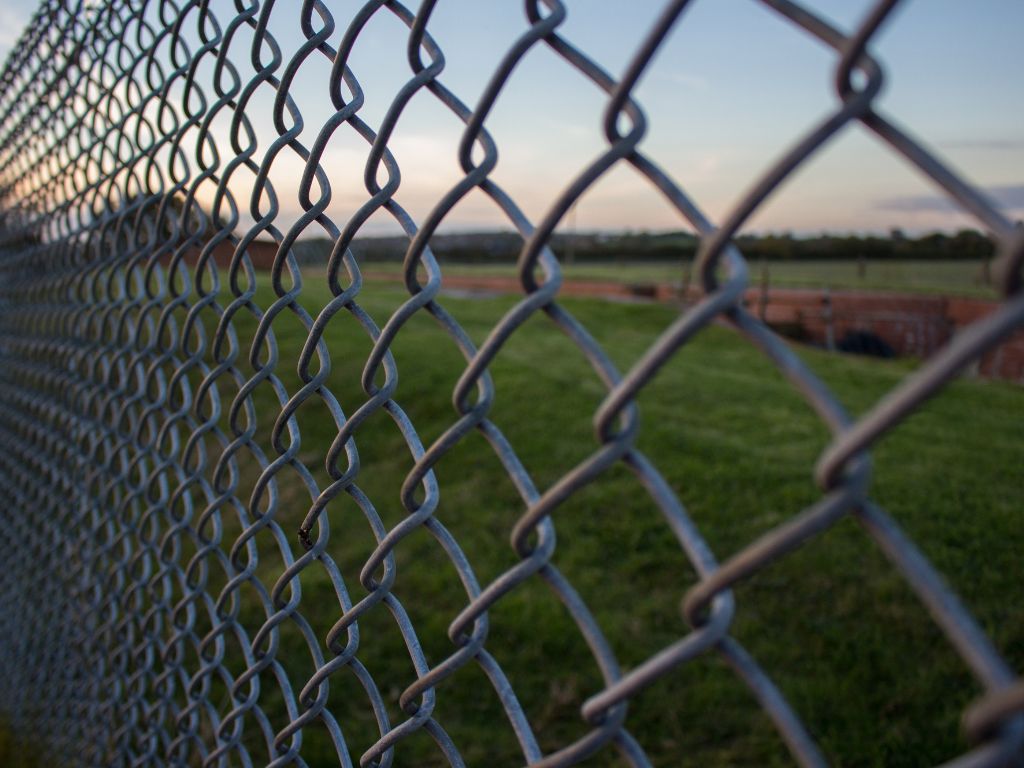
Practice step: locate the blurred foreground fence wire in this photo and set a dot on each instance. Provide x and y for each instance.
(126, 392)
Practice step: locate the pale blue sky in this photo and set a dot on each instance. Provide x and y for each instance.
(733, 86)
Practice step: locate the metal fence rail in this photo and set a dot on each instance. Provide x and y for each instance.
(127, 411)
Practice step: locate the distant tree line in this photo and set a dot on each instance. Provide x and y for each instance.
(965, 244)
(502, 247)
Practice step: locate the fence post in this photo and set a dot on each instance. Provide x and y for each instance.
(762, 304)
(830, 333)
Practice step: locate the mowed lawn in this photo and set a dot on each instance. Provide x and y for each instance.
(833, 624)
(953, 277)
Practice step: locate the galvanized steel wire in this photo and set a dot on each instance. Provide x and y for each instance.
(119, 450)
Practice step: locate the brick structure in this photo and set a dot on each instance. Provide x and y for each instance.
(911, 324)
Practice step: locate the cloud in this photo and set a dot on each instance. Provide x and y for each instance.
(687, 80)
(1008, 197)
(988, 144)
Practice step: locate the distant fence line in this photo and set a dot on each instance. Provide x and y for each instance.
(909, 324)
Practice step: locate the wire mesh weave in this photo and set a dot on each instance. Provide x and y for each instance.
(126, 394)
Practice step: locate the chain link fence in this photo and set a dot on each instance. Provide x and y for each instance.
(138, 625)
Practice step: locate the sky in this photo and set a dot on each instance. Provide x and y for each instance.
(733, 87)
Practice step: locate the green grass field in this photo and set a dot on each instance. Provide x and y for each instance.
(957, 278)
(833, 624)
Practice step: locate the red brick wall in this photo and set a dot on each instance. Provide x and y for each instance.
(261, 254)
(911, 324)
